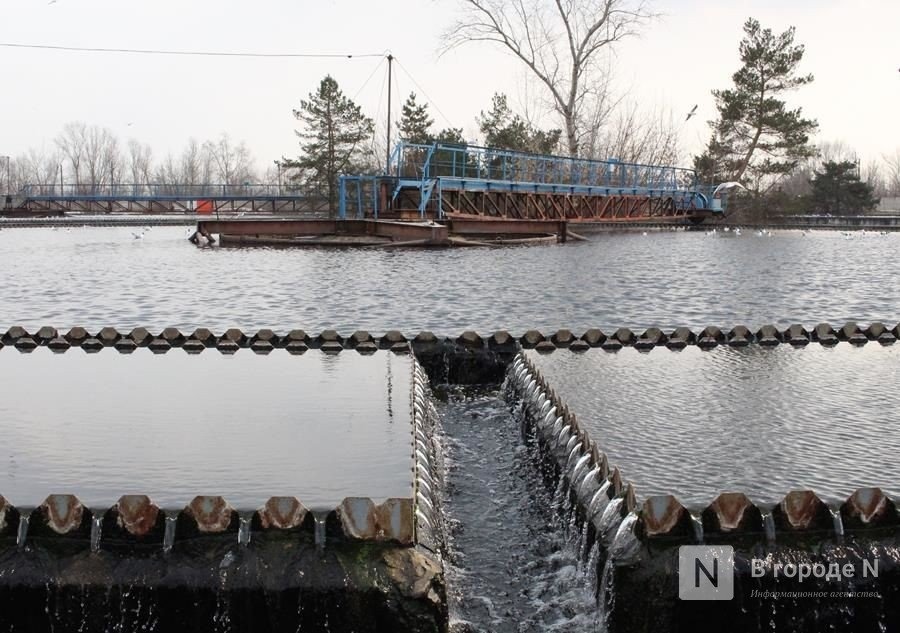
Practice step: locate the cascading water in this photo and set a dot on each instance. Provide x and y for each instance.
(513, 562)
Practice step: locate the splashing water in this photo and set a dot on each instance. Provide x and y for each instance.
(513, 562)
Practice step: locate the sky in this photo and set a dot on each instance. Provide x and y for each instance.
(852, 48)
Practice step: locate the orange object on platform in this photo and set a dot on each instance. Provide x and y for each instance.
(204, 207)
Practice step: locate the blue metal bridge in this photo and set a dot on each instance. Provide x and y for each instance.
(165, 198)
(444, 181)
(438, 182)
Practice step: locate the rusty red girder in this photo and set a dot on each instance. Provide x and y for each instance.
(564, 206)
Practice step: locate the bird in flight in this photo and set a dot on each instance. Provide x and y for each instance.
(691, 114)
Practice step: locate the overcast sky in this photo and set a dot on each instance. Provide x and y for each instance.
(853, 48)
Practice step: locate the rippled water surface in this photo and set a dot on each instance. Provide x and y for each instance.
(96, 277)
(762, 421)
(174, 426)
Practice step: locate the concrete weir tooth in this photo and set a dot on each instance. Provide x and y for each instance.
(886, 338)
(849, 330)
(159, 346)
(296, 336)
(664, 516)
(108, 336)
(61, 516)
(204, 336)
(869, 507)
(470, 340)
(768, 336)
(579, 347)
(26, 344)
(193, 346)
(797, 335)
(328, 337)
(173, 336)
(366, 348)
(281, 513)
(400, 348)
(268, 336)
(611, 345)
(740, 336)
(531, 338)
(262, 347)
(653, 335)
(875, 330)
(562, 338)
(91, 345)
(823, 333)
(125, 346)
(732, 512)
(683, 334)
(502, 340)
(391, 338)
(141, 336)
(802, 510)
(13, 334)
(9, 519)
(134, 518)
(593, 337)
(206, 515)
(227, 346)
(45, 334)
(625, 336)
(361, 519)
(545, 347)
(234, 335)
(76, 336)
(296, 348)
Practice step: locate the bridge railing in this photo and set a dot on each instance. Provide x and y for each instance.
(421, 162)
(162, 191)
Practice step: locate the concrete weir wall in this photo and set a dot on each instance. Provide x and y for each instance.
(363, 566)
(799, 565)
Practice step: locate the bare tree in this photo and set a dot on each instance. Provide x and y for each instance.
(560, 41)
(892, 173)
(72, 142)
(140, 164)
(637, 135)
(233, 163)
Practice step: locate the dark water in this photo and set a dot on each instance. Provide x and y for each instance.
(512, 567)
(756, 420)
(96, 277)
(173, 426)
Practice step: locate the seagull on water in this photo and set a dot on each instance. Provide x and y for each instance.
(137, 236)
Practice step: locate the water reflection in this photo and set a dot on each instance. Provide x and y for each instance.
(246, 427)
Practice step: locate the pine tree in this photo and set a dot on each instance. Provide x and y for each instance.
(757, 137)
(504, 129)
(333, 138)
(837, 189)
(415, 123)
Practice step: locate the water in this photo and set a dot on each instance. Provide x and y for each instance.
(173, 426)
(95, 277)
(761, 421)
(512, 567)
